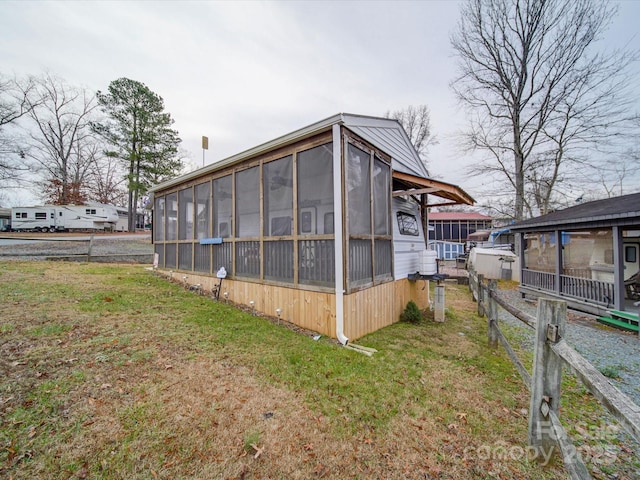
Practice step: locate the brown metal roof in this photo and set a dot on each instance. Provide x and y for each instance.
(407, 184)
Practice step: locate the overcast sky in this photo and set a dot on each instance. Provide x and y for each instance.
(243, 73)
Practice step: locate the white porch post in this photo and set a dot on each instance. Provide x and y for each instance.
(337, 229)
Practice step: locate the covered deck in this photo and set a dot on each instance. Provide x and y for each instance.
(586, 254)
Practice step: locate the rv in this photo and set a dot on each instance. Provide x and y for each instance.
(58, 218)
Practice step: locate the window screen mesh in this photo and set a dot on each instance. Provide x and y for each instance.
(248, 203)
(360, 266)
(383, 252)
(358, 191)
(172, 216)
(315, 190)
(158, 220)
(248, 259)
(203, 214)
(222, 207)
(185, 218)
(201, 258)
(278, 197)
(222, 257)
(184, 256)
(316, 262)
(278, 260)
(170, 255)
(381, 198)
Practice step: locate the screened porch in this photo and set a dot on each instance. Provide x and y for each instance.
(275, 219)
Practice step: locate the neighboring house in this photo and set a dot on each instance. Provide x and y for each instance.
(449, 231)
(323, 225)
(595, 268)
(456, 226)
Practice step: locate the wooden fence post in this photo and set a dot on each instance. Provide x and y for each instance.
(547, 375)
(492, 315)
(480, 287)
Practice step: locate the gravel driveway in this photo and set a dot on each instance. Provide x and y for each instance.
(604, 347)
(115, 247)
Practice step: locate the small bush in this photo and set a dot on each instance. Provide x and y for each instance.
(610, 371)
(411, 314)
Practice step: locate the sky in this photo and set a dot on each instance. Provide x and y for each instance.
(244, 72)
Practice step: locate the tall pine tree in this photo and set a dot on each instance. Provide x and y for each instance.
(139, 130)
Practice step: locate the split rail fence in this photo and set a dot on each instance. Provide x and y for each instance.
(551, 352)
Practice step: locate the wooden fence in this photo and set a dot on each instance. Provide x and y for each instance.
(551, 352)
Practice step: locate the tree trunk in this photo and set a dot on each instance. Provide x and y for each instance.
(131, 210)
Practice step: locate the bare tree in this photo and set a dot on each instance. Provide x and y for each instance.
(61, 115)
(13, 106)
(107, 182)
(416, 121)
(542, 105)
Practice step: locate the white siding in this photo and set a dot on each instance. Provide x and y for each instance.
(406, 248)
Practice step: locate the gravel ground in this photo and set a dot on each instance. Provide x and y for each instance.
(605, 348)
(101, 246)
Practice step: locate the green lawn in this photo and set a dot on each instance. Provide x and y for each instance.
(109, 371)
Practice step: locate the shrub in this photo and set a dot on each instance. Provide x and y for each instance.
(610, 371)
(411, 314)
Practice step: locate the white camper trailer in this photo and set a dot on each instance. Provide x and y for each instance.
(34, 219)
(57, 218)
(408, 239)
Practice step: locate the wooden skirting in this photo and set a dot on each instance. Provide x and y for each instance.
(365, 311)
(307, 309)
(369, 310)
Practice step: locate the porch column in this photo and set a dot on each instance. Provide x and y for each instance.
(558, 283)
(618, 269)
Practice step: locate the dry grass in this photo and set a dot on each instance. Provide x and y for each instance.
(111, 372)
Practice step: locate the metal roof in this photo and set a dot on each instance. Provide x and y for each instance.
(384, 133)
(389, 136)
(621, 211)
(415, 185)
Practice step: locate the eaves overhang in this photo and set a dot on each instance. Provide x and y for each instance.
(407, 184)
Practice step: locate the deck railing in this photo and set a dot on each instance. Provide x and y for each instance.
(537, 279)
(587, 289)
(594, 291)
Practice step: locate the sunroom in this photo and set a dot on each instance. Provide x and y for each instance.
(306, 225)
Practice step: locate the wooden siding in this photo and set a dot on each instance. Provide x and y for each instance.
(365, 311)
(305, 308)
(373, 308)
